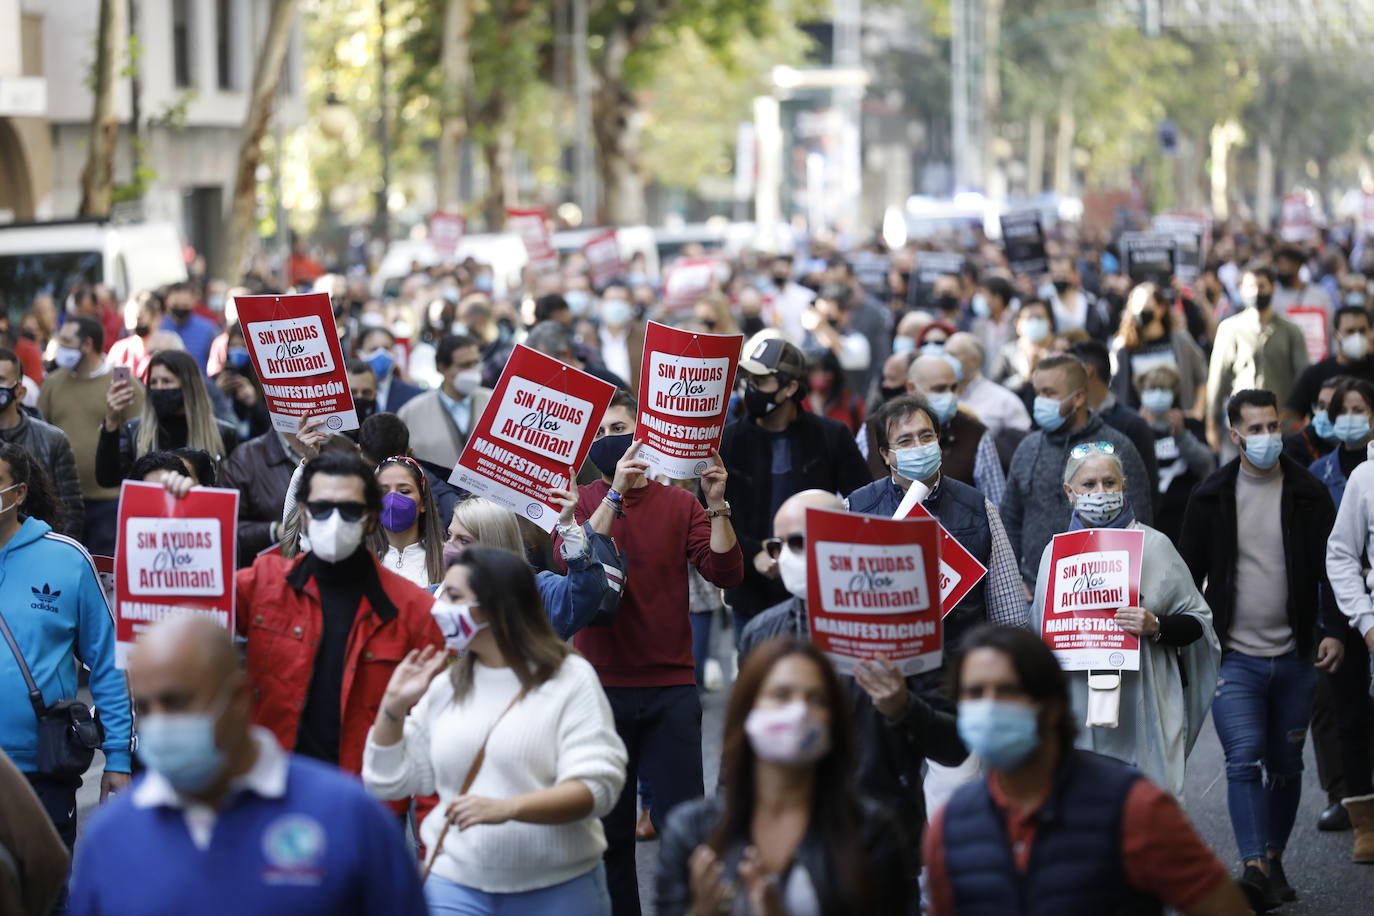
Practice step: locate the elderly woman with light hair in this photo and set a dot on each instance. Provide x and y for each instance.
(1163, 705)
(572, 601)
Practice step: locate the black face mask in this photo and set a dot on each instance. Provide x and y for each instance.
(947, 303)
(607, 451)
(181, 316)
(142, 330)
(1147, 317)
(751, 326)
(1286, 279)
(1062, 286)
(365, 407)
(759, 403)
(166, 401)
(890, 393)
(7, 396)
(1263, 302)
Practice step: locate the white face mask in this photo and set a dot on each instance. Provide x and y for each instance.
(457, 624)
(332, 539)
(789, 735)
(792, 568)
(467, 381)
(1355, 346)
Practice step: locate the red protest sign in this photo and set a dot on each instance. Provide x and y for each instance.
(1092, 574)
(540, 420)
(446, 231)
(1296, 223)
(684, 393)
(172, 557)
(960, 570)
(295, 349)
(1312, 321)
(534, 232)
(871, 588)
(602, 252)
(687, 281)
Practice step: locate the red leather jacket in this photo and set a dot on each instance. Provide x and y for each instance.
(279, 612)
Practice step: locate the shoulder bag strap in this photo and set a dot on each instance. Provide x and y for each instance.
(468, 781)
(35, 695)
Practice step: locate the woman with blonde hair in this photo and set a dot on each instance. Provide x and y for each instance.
(177, 413)
(572, 601)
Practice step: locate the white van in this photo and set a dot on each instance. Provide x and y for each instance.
(38, 258)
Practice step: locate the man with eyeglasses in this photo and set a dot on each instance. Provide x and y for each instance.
(895, 726)
(1034, 508)
(1256, 532)
(325, 629)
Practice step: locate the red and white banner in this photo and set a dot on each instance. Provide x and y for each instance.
(295, 349)
(534, 232)
(540, 421)
(1367, 215)
(1314, 323)
(172, 557)
(960, 570)
(602, 252)
(687, 281)
(872, 588)
(446, 231)
(1093, 573)
(685, 380)
(1296, 223)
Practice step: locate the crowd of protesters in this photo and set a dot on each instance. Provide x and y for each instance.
(430, 704)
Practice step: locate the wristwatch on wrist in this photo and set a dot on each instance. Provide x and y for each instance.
(722, 512)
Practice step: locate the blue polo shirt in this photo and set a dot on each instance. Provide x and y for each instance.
(198, 333)
(294, 837)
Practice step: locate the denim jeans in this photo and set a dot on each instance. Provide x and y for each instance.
(661, 728)
(584, 896)
(1261, 710)
(701, 641)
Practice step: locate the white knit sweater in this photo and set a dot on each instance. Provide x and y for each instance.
(562, 730)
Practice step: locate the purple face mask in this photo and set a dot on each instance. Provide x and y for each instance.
(399, 512)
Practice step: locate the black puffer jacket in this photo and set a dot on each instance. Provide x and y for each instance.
(883, 853)
(51, 449)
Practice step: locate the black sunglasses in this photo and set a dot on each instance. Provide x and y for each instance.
(795, 543)
(321, 509)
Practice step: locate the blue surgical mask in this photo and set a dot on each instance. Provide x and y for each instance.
(1351, 428)
(918, 462)
(236, 357)
(1263, 449)
(945, 405)
(616, 313)
(67, 358)
(954, 364)
(1322, 426)
(934, 348)
(980, 306)
(381, 362)
(1036, 328)
(1098, 509)
(1157, 400)
(577, 300)
(1046, 413)
(181, 747)
(903, 344)
(1000, 733)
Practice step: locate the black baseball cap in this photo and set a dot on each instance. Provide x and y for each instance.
(774, 356)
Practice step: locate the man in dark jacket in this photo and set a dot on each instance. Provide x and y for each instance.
(777, 450)
(1255, 531)
(260, 469)
(45, 442)
(895, 725)
(1095, 359)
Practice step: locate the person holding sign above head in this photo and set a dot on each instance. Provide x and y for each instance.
(325, 629)
(1148, 716)
(788, 833)
(411, 537)
(517, 740)
(176, 412)
(644, 658)
(907, 431)
(1050, 828)
(1256, 532)
(895, 725)
(571, 601)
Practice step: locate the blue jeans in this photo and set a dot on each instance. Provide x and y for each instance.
(1261, 710)
(584, 896)
(701, 641)
(661, 728)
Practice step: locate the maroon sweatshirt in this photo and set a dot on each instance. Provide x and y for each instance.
(664, 529)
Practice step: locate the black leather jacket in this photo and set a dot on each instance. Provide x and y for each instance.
(884, 855)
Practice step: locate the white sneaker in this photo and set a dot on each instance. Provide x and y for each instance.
(712, 676)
